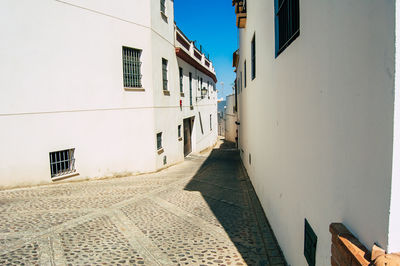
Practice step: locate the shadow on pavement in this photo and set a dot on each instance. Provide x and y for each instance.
(225, 186)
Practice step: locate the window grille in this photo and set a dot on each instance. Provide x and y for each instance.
(159, 141)
(253, 58)
(245, 74)
(62, 162)
(131, 67)
(162, 6)
(165, 74)
(190, 89)
(181, 79)
(287, 23)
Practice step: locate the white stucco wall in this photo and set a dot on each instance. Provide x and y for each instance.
(230, 119)
(318, 121)
(394, 221)
(61, 76)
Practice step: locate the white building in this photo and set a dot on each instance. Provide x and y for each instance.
(93, 89)
(198, 95)
(319, 119)
(230, 119)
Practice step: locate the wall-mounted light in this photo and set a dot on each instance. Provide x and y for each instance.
(203, 93)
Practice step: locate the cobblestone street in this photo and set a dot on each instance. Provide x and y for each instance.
(200, 212)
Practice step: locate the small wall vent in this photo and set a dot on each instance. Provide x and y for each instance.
(310, 243)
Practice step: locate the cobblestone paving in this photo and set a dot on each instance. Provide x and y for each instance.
(201, 212)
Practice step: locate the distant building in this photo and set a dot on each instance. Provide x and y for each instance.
(221, 118)
(92, 90)
(198, 94)
(320, 120)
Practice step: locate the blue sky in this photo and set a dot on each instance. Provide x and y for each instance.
(212, 23)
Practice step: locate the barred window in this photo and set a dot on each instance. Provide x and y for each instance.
(62, 162)
(190, 89)
(181, 79)
(162, 6)
(287, 23)
(253, 57)
(245, 74)
(165, 74)
(132, 64)
(159, 141)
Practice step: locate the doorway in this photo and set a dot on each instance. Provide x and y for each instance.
(187, 135)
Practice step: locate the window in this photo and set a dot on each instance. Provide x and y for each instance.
(179, 131)
(210, 122)
(159, 141)
(131, 67)
(287, 23)
(190, 89)
(165, 74)
(253, 58)
(181, 79)
(162, 6)
(201, 83)
(310, 243)
(245, 74)
(62, 162)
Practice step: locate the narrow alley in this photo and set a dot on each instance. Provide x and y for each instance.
(200, 212)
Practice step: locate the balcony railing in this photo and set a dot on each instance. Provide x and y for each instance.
(197, 54)
(183, 42)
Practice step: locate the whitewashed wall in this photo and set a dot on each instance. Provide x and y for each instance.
(318, 122)
(62, 87)
(394, 218)
(167, 116)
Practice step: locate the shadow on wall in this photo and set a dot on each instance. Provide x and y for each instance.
(226, 188)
